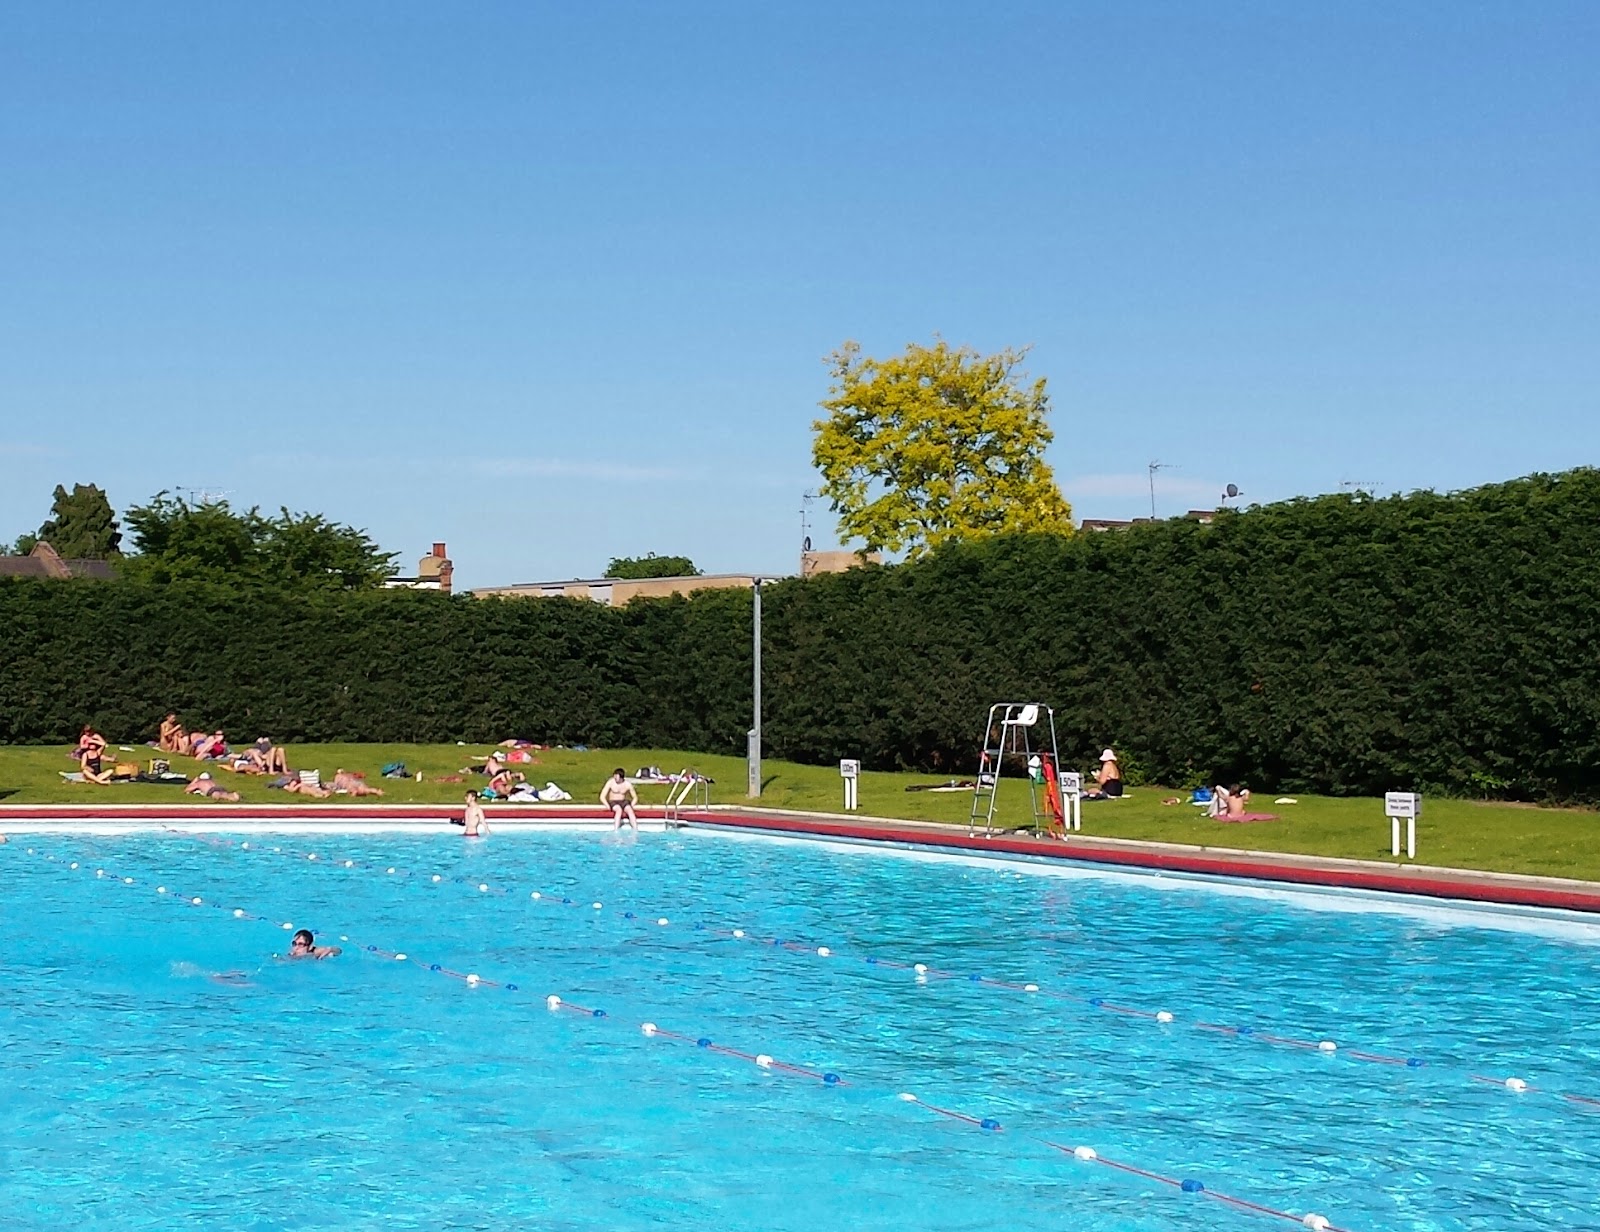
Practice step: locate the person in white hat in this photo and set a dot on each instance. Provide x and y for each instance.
(1108, 778)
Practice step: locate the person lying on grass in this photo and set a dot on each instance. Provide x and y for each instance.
(352, 784)
(301, 787)
(208, 787)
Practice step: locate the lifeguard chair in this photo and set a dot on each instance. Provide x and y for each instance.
(1014, 731)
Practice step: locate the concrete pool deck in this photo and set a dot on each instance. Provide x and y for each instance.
(1386, 876)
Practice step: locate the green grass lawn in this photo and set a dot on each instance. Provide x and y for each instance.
(1459, 833)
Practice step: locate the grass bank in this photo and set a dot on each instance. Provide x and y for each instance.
(1459, 833)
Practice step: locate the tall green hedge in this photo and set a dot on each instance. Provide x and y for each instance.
(1338, 644)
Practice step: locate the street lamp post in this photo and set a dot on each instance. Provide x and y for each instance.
(753, 747)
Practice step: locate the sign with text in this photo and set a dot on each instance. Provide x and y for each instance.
(1402, 804)
(849, 769)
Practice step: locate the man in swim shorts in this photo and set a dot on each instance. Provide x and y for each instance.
(619, 796)
(304, 945)
(208, 787)
(472, 819)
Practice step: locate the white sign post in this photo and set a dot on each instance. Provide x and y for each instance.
(1072, 799)
(1400, 805)
(849, 771)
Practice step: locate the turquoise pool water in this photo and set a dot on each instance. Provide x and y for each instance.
(142, 1092)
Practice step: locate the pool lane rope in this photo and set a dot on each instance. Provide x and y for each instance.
(558, 1004)
(922, 971)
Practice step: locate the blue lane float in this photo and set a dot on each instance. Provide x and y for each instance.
(555, 1002)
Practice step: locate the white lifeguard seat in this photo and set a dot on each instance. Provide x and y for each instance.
(1015, 730)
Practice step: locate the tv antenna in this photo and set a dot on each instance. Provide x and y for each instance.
(204, 495)
(1153, 468)
(805, 520)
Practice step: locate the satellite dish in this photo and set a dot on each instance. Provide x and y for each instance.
(806, 545)
(1233, 491)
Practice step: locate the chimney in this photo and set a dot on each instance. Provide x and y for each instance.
(435, 567)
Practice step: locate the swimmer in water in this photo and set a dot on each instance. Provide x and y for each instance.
(476, 826)
(621, 798)
(304, 945)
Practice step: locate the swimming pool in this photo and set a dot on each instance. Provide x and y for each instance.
(371, 1091)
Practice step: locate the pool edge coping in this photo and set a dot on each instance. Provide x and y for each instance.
(1332, 872)
(1425, 881)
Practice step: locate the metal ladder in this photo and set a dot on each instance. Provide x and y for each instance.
(691, 790)
(1008, 734)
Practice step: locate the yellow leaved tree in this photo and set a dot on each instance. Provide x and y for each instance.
(938, 444)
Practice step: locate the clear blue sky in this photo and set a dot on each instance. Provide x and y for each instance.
(554, 282)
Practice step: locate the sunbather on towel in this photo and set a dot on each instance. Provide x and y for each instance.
(89, 758)
(1108, 779)
(353, 784)
(300, 787)
(208, 787)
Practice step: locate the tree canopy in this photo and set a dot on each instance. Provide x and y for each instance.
(179, 541)
(81, 525)
(631, 568)
(934, 445)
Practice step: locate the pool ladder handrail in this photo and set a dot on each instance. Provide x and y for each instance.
(692, 789)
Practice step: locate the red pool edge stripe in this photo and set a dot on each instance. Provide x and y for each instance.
(1417, 884)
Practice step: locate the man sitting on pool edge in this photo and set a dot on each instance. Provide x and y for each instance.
(304, 945)
(621, 798)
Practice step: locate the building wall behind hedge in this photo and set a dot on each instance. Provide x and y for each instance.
(1332, 644)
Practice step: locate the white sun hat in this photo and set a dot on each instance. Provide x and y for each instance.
(1108, 755)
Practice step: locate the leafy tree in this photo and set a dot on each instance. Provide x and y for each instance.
(178, 541)
(81, 525)
(25, 544)
(632, 568)
(938, 444)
